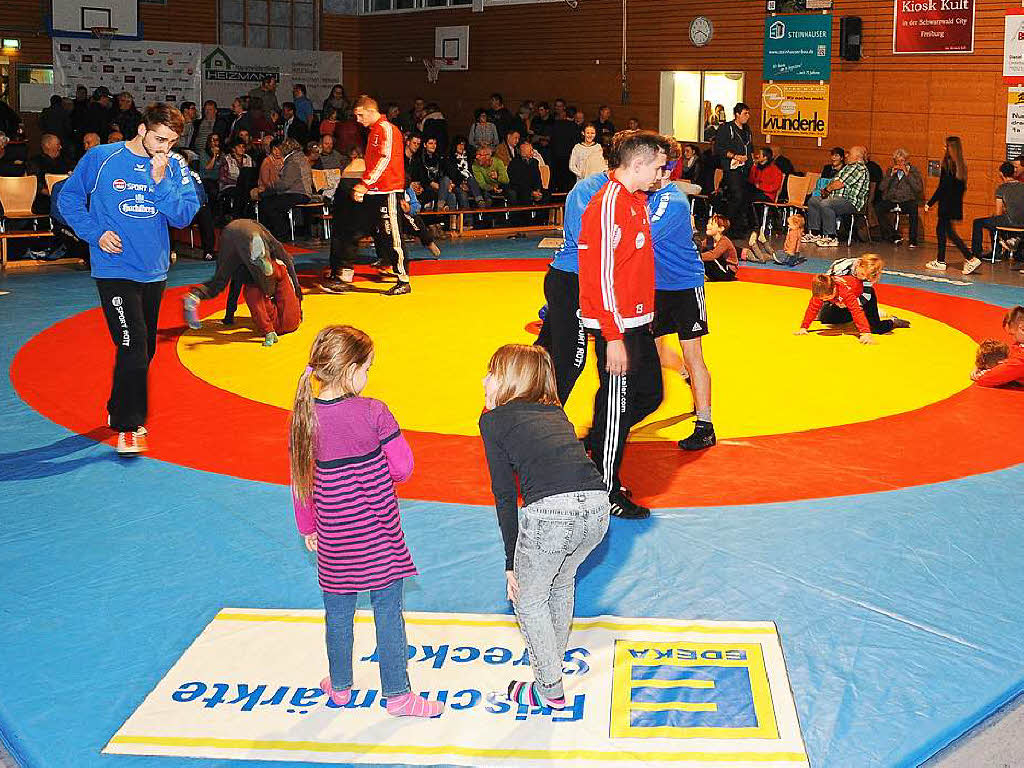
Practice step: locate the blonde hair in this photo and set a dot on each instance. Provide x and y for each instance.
(336, 351)
(1013, 316)
(524, 372)
(872, 264)
(822, 286)
(796, 221)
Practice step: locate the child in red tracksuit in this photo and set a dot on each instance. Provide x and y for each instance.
(998, 363)
(837, 299)
(278, 314)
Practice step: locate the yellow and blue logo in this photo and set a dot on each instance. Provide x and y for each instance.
(691, 690)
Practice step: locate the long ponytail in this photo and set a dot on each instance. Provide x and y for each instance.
(302, 437)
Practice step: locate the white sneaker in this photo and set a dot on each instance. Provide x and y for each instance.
(971, 264)
(938, 266)
(131, 443)
(827, 242)
(347, 275)
(809, 238)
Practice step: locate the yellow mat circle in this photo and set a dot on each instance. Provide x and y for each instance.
(433, 345)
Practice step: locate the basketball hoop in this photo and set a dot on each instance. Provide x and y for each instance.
(433, 67)
(104, 35)
(572, 3)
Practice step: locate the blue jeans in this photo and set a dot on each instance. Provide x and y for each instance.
(823, 215)
(392, 648)
(555, 536)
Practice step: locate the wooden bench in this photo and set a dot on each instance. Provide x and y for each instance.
(5, 236)
(458, 218)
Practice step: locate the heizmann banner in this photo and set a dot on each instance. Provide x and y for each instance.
(798, 47)
(795, 109)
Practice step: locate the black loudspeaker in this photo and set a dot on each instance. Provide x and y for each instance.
(849, 38)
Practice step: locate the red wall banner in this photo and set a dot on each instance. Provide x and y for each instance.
(933, 26)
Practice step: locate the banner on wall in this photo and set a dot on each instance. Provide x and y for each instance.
(933, 26)
(1014, 123)
(798, 47)
(150, 70)
(797, 6)
(655, 692)
(795, 109)
(229, 71)
(1013, 47)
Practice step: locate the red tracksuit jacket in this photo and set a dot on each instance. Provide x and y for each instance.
(385, 159)
(616, 262)
(848, 291)
(1008, 371)
(282, 312)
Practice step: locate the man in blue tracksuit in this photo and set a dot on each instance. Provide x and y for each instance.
(121, 199)
(679, 305)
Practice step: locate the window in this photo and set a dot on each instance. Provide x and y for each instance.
(690, 101)
(389, 6)
(269, 23)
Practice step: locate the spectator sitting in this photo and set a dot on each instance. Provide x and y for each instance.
(409, 120)
(303, 106)
(524, 116)
(874, 175)
(491, 175)
(459, 169)
(413, 143)
(312, 152)
(330, 158)
(329, 122)
(336, 100)
(89, 141)
(294, 186)
(1018, 168)
(524, 181)
(690, 169)
(114, 136)
(56, 120)
(765, 177)
(540, 128)
(604, 124)
(426, 169)
(266, 93)
(499, 115)
(846, 194)
(128, 117)
(902, 186)
(209, 123)
(47, 161)
(292, 127)
(1009, 210)
(8, 165)
(188, 114)
(632, 124)
(231, 166)
(508, 150)
(718, 253)
(588, 157)
(483, 132)
(435, 126)
(209, 166)
(836, 161)
(240, 119)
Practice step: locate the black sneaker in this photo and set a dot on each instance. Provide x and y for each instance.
(703, 437)
(625, 508)
(398, 289)
(334, 285)
(899, 322)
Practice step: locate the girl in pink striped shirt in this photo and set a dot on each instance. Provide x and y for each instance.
(347, 453)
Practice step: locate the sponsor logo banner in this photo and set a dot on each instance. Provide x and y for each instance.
(795, 109)
(797, 6)
(1013, 47)
(228, 71)
(643, 691)
(933, 26)
(798, 47)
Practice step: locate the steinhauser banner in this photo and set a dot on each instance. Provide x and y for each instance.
(795, 109)
(653, 692)
(798, 47)
(933, 26)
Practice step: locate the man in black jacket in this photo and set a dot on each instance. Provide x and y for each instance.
(292, 127)
(525, 185)
(734, 146)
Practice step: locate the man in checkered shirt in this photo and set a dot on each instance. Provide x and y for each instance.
(846, 194)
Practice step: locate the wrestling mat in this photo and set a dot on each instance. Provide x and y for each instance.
(860, 512)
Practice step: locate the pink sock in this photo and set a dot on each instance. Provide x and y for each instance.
(413, 705)
(341, 698)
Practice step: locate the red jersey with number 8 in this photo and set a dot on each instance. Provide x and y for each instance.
(616, 262)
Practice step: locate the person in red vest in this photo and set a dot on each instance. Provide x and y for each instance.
(382, 185)
(765, 177)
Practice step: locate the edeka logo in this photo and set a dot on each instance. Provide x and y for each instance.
(690, 690)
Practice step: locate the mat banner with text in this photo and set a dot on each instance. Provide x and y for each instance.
(653, 691)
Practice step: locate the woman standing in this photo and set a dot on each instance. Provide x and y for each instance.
(950, 197)
(587, 157)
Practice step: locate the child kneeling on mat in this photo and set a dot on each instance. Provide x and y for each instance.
(528, 438)
(347, 453)
(279, 312)
(789, 256)
(840, 299)
(718, 253)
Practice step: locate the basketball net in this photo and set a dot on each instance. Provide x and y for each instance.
(104, 35)
(433, 67)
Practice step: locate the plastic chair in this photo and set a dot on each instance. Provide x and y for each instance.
(17, 194)
(997, 242)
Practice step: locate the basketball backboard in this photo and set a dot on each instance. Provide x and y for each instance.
(77, 18)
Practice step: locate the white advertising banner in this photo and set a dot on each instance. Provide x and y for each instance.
(1013, 46)
(229, 71)
(654, 692)
(150, 70)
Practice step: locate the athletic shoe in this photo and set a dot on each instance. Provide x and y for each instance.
(938, 266)
(334, 285)
(827, 242)
(209, 257)
(270, 339)
(897, 240)
(625, 508)
(703, 437)
(899, 322)
(398, 289)
(131, 443)
(347, 275)
(809, 238)
(971, 264)
(190, 307)
(434, 250)
(911, 245)
(752, 241)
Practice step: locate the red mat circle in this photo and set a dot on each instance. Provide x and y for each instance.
(64, 374)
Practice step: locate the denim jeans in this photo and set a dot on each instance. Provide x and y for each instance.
(392, 648)
(823, 215)
(555, 536)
